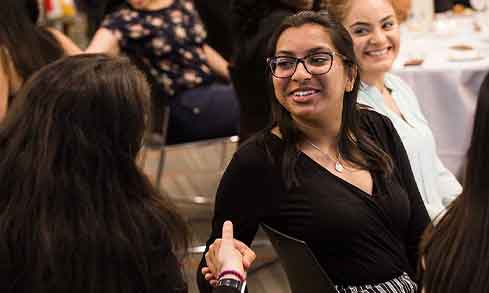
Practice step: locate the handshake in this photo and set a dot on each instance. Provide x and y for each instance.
(227, 259)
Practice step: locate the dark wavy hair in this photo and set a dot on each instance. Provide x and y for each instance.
(456, 250)
(354, 143)
(76, 212)
(247, 14)
(23, 43)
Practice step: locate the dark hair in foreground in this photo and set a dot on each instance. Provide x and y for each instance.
(27, 45)
(354, 144)
(76, 212)
(456, 250)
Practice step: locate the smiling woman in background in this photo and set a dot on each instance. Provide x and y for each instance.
(374, 27)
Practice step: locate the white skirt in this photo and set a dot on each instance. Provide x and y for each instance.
(401, 284)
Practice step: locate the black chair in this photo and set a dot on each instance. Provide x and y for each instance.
(304, 272)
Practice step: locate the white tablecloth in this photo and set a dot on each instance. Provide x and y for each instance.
(447, 90)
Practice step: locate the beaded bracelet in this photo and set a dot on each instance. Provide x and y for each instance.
(232, 272)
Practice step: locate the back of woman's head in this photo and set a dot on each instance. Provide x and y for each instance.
(76, 213)
(19, 34)
(456, 250)
(88, 105)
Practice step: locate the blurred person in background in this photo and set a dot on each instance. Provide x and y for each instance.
(19, 35)
(374, 27)
(95, 11)
(216, 16)
(446, 5)
(167, 40)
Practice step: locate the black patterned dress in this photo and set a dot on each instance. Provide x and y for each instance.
(168, 45)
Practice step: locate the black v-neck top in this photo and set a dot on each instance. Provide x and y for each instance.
(358, 238)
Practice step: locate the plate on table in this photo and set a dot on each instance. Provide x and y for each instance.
(413, 62)
(463, 52)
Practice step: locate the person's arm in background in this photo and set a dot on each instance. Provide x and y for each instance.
(217, 63)
(447, 184)
(66, 43)
(104, 41)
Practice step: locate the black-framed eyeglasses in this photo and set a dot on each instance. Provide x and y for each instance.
(315, 63)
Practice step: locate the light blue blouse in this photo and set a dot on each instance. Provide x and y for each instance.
(436, 183)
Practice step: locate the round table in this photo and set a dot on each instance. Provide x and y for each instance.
(446, 88)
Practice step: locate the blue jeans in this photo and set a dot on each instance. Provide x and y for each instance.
(205, 112)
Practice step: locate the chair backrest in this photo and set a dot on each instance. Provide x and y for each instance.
(304, 272)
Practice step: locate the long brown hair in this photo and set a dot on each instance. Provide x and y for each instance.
(76, 212)
(354, 144)
(23, 43)
(456, 250)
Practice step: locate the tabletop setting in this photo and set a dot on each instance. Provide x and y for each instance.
(444, 58)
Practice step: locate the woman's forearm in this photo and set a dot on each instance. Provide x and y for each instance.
(218, 64)
(104, 41)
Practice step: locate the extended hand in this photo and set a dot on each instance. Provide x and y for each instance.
(227, 254)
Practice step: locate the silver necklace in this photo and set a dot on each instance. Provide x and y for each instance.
(337, 165)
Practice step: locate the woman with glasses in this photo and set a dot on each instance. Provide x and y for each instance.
(374, 27)
(326, 170)
(253, 24)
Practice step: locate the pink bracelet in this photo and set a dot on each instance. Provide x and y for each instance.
(232, 272)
